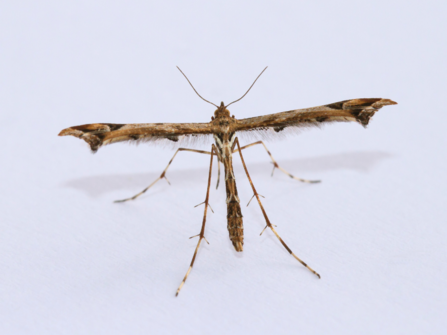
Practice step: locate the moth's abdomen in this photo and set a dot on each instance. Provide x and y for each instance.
(234, 214)
(235, 225)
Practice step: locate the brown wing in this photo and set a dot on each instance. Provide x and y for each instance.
(99, 134)
(359, 110)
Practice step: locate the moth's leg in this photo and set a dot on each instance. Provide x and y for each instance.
(201, 235)
(265, 214)
(163, 174)
(218, 171)
(275, 164)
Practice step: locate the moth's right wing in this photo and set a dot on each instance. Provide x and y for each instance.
(99, 134)
(272, 125)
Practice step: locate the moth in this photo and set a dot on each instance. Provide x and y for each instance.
(225, 128)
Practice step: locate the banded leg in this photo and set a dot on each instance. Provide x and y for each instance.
(275, 165)
(163, 174)
(218, 172)
(236, 141)
(201, 235)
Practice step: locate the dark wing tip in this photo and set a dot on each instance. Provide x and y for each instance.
(89, 133)
(362, 109)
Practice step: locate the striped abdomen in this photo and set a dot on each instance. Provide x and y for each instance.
(234, 215)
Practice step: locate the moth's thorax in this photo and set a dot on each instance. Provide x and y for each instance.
(222, 121)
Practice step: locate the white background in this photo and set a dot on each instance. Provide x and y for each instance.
(73, 262)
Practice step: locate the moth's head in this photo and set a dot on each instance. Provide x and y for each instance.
(221, 111)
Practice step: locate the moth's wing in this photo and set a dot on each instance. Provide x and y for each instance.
(99, 134)
(272, 125)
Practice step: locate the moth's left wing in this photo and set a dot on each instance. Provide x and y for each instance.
(99, 134)
(358, 110)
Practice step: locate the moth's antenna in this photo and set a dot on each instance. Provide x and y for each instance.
(248, 89)
(195, 89)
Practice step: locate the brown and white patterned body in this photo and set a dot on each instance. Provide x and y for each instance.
(234, 213)
(224, 138)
